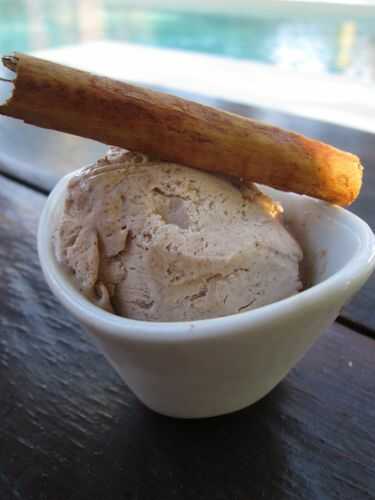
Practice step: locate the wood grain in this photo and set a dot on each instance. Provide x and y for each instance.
(70, 429)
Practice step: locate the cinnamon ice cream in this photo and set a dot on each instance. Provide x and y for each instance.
(156, 241)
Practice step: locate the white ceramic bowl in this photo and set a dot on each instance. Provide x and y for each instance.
(216, 366)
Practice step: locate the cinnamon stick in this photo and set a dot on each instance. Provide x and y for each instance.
(170, 128)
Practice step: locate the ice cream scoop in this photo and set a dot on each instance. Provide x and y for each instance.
(157, 241)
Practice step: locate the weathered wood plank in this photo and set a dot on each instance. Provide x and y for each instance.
(69, 428)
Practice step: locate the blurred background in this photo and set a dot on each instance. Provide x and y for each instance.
(234, 50)
(309, 58)
(317, 37)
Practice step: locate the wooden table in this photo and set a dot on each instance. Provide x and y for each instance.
(71, 430)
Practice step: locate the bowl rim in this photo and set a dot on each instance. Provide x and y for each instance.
(356, 269)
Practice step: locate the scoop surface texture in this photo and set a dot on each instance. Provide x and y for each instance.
(157, 241)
